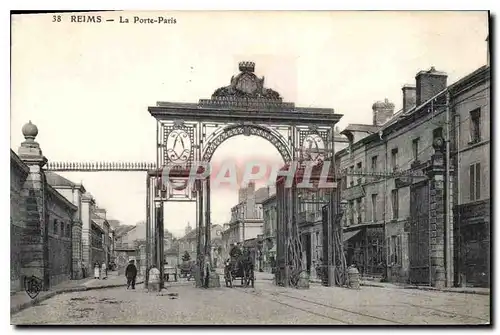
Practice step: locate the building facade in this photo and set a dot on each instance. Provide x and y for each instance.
(470, 155)
(246, 217)
(400, 191)
(72, 192)
(188, 243)
(269, 207)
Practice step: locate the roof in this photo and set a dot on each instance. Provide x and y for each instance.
(269, 199)
(367, 128)
(62, 199)
(400, 118)
(14, 159)
(98, 225)
(190, 235)
(122, 230)
(55, 179)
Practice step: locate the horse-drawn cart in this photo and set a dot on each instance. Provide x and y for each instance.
(242, 269)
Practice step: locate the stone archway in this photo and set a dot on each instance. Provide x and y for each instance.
(275, 138)
(191, 132)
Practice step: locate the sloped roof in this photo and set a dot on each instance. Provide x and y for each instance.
(55, 179)
(14, 159)
(122, 230)
(360, 127)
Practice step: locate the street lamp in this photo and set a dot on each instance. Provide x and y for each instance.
(243, 224)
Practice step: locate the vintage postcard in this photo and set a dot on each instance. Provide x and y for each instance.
(250, 168)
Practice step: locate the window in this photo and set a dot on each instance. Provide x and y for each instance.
(351, 172)
(394, 158)
(344, 179)
(351, 214)
(358, 211)
(395, 204)
(374, 164)
(475, 125)
(374, 207)
(55, 227)
(437, 133)
(475, 181)
(415, 149)
(359, 177)
(63, 233)
(68, 230)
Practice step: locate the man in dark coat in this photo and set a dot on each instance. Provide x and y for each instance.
(131, 274)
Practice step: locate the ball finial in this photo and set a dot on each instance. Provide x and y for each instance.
(29, 131)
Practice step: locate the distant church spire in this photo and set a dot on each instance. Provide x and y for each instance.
(188, 229)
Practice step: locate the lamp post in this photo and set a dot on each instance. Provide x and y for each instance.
(243, 225)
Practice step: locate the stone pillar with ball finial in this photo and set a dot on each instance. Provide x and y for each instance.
(35, 246)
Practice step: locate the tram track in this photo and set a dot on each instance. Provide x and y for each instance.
(348, 317)
(358, 314)
(413, 294)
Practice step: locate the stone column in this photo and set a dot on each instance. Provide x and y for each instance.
(86, 234)
(436, 173)
(34, 244)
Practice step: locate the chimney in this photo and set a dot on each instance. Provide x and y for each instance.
(429, 84)
(382, 112)
(409, 97)
(101, 212)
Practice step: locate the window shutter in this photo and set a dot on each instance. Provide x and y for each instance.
(472, 179)
(478, 180)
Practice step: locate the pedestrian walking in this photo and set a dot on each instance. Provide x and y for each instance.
(104, 271)
(131, 274)
(96, 270)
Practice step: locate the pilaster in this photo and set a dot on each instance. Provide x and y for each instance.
(436, 173)
(76, 254)
(34, 242)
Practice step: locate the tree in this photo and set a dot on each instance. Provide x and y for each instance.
(186, 257)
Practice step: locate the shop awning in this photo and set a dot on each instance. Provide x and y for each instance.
(350, 234)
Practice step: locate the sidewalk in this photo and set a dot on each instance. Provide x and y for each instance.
(372, 283)
(21, 300)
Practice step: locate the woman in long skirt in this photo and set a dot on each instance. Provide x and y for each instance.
(104, 271)
(96, 270)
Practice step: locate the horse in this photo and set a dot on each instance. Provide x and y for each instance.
(242, 267)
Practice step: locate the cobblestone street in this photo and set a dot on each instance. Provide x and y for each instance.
(265, 304)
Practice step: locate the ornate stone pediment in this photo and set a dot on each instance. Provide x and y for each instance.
(246, 85)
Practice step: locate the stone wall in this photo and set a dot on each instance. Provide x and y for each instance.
(60, 230)
(17, 219)
(60, 262)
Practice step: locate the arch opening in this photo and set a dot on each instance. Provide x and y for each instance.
(273, 137)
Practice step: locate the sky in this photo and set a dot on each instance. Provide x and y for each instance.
(87, 86)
